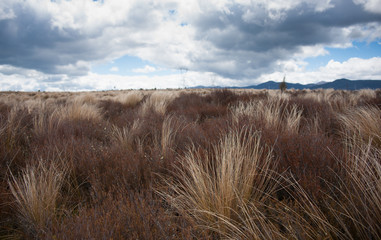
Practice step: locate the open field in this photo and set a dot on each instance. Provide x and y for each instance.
(191, 164)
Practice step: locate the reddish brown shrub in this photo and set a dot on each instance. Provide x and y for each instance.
(198, 108)
(129, 215)
(310, 158)
(118, 113)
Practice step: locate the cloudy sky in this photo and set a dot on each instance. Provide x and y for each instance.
(62, 45)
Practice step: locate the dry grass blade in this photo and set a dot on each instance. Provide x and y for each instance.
(171, 126)
(80, 111)
(356, 200)
(215, 191)
(157, 102)
(364, 121)
(272, 113)
(130, 99)
(36, 192)
(126, 136)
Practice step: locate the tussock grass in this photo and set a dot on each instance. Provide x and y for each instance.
(14, 130)
(232, 191)
(45, 120)
(36, 193)
(171, 125)
(364, 122)
(85, 98)
(273, 114)
(157, 102)
(278, 95)
(356, 199)
(130, 99)
(323, 95)
(368, 93)
(80, 111)
(126, 136)
(215, 191)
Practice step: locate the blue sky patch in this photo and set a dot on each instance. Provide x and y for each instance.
(358, 50)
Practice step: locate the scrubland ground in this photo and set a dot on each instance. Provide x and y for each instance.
(191, 164)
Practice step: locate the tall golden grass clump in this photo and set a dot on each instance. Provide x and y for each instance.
(157, 102)
(131, 99)
(171, 126)
(13, 127)
(364, 122)
(47, 117)
(126, 136)
(85, 98)
(45, 120)
(366, 93)
(356, 198)
(80, 111)
(354, 98)
(278, 95)
(237, 182)
(322, 95)
(36, 192)
(231, 190)
(273, 113)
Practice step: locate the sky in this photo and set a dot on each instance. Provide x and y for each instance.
(85, 45)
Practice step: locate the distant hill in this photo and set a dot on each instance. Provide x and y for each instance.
(343, 84)
(275, 85)
(350, 84)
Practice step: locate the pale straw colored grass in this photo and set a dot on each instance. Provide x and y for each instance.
(278, 95)
(85, 98)
(273, 113)
(321, 95)
(356, 199)
(355, 98)
(48, 117)
(157, 102)
(46, 120)
(232, 194)
(131, 98)
(79, 111)
(214, 191)
(36, 193)
(171, 125)
(13, 126)
(314, 125)
(126, 136)
(364, 122)
(366, 93)
(337, 100)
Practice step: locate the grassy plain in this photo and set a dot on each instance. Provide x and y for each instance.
(191, 164)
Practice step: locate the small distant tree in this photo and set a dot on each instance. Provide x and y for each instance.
(283, 85)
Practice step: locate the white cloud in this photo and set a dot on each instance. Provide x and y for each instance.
(6, 12)
(114, 69)
(353, 68)
(311, 51)
(31, 80)
(370, 5)
(21, 79)
(146, 69)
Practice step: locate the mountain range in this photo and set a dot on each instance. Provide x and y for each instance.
(343, 84)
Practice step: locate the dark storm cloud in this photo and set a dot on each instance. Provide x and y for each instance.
(300, 26)
(31, 40)
(260, 41)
